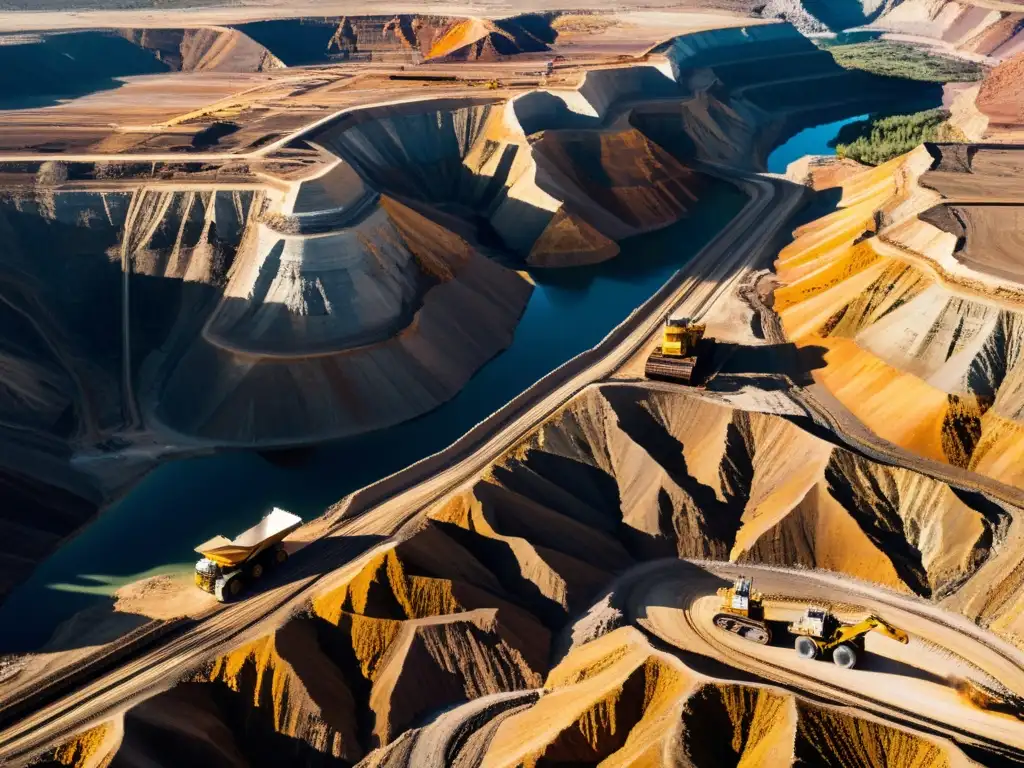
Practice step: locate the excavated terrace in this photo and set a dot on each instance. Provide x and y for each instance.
(331, 301)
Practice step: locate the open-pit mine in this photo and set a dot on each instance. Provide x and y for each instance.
(623, 384)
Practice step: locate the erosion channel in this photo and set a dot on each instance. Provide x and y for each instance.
(153, 529)
(730, 119)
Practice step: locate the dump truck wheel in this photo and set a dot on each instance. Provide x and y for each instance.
(280, 556)
(845, 656)
(230, 589)
(806, 648)
(256, 571)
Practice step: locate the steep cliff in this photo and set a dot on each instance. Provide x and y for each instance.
(921, 322)
(986, 29)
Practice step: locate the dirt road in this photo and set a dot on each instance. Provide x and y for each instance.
(379, 512)
(225, 12)
(675, 602)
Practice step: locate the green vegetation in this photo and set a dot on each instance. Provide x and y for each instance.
(890, 59)
(879, 138)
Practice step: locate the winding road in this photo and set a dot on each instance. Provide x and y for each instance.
(369, 517)
(675, 601)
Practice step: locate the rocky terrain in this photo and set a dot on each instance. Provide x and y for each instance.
(356, 273)
(204, 50)
(280, 304)
(916, 301)
(476, 611)
(995, 30)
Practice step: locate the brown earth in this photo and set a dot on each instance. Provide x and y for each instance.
(1001, 97)
(204, 50)
(225, 240)
(991, 28)
(474, 606)
(920, 348)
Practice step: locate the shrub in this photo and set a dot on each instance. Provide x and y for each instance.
(891, 59)
(879, 139)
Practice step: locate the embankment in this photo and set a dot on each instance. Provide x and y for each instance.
(921, 338)
(333, 305)
(975, 28)
(479, 601)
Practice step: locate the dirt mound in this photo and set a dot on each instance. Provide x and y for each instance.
(618, 700)
(482, 40)
(625, 173)
(595, 699)
(1001, 97)
(204, 49)
(441, 642)
(94, 748)
(401, 37)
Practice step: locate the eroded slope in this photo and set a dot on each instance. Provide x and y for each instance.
(476, 606)
(922, 344)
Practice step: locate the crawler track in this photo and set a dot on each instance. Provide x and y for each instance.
(909, 685)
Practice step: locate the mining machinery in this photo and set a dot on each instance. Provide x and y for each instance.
(819, 632)
(742, 612)
(230, 565)
(674, 359)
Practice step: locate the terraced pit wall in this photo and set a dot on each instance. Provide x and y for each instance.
(488, 596)
(250, 318)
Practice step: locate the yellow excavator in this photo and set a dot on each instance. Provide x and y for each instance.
(819, 631)
(676, 357)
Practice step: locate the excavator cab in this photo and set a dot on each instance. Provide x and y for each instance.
(741, 595)
(816, 622)
(681, 337)
(742, 612)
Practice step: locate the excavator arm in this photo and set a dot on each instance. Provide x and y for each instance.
(852, 632)
(887, 629)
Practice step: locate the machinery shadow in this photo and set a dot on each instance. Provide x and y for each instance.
(729, 367)
(868, 661)
(873, 662)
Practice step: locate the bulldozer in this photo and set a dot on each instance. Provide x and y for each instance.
(819, 631)
(674, 359)
(742, 612)
(230, 565)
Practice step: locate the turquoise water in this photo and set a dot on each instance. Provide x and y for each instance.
(810, 141)
(180, 504)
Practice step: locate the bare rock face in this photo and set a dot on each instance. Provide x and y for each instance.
(237, 312)
(916, 299)
(368, 314)
(974, 28)
(204, 49)
(187, 314)
(454, 641)
(815, 16)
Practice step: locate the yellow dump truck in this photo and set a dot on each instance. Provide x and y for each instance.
(676, 357)
(230, 565)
